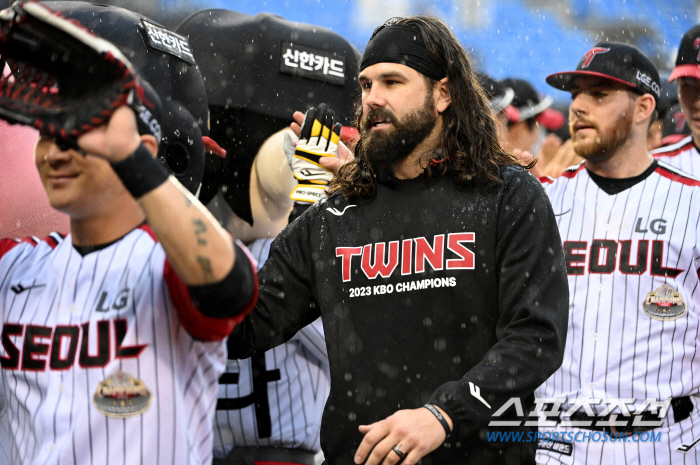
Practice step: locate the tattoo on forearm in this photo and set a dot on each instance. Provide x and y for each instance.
(200, 230)
(205, 265)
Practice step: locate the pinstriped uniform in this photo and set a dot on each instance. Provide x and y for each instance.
(682, 155)
(89, 337)
(4, 429)
(296, 387)
(619, 250)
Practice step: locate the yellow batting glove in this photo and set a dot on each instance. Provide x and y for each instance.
(319, 137)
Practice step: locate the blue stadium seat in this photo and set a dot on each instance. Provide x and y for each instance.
(517, 41)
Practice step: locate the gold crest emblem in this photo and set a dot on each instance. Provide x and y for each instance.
(121, 396)
(664, 304)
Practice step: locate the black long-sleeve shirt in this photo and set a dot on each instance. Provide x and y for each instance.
(427, 294)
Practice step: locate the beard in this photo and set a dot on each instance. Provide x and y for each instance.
(389, 146)
(604, 143)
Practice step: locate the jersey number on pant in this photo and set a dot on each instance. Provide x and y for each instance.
(258, 397)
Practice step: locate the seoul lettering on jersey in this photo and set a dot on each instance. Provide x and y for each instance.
(379, 260)
(94, 346)
(632, 255)
(632, 263)
(56, 348)
(601, 256)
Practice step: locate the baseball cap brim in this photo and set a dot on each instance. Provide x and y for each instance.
(563, 81)
(551, 119)
(500, 103)
(512, 113)
(680, 71)
(672, 139)
(527, 112)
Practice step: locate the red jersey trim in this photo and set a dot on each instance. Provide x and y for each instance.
(8, 244)
(197, 324)
(200, 326)
(52, 241)
(545, 179)
(147, 228)
(571, 172)
(674, 150)
(676, 176)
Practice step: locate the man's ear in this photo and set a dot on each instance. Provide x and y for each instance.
(443, 95)
(150, 143)
(645, 107)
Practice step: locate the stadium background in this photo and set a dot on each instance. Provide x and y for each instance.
(526, 39)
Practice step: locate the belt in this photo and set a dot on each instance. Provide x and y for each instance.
(251, 455)
(682, 406)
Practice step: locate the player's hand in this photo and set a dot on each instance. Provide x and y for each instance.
(417, 433)
(115, 140)
(319, 137)
(527, 159)
(548, 149)
(563, 157)
(345, 155)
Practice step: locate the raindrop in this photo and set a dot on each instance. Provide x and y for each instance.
(440, 344)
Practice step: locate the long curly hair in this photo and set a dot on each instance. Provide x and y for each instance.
(468, 142)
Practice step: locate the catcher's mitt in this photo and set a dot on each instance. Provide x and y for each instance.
(62, 79)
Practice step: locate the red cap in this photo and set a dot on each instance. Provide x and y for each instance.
(687, 59)
(672, 139)
(551, 119)
(685, 71)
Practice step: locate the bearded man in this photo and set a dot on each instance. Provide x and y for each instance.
(435, 264)
(630, 230)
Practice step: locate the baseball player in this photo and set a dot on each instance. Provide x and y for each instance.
(524, 131)
(24, 211)
(629, 226)
(500, 98)
(113, 336)
(684, 154)
(270, 404)
(436, 304)
(675, 127)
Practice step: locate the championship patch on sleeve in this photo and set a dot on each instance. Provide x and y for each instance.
(159, 38)
(312, 63)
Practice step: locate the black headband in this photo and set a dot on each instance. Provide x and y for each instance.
(403, 45)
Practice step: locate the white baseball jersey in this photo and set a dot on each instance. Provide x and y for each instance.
(4, 429)
(682, 155)
(632, 261)
(275, 399)
(105, 360)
